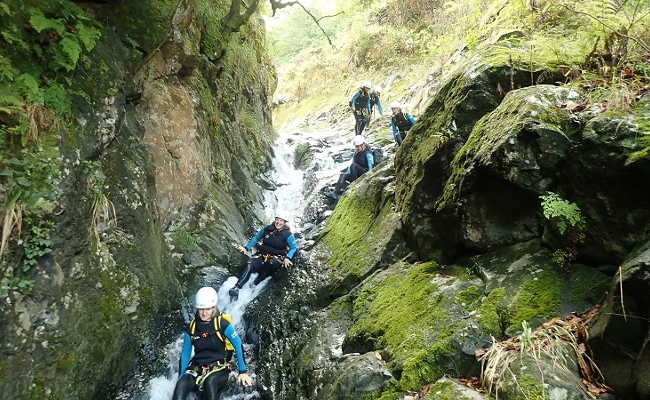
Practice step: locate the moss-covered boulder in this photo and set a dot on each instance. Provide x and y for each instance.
(451, 389)
(363, 233)
(542, 377)
(523, 283)
(418, 317)
(423, 164)
(487, 188)
(620, 335)
(429, 319)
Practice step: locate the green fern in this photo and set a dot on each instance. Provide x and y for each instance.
(563, 213)
(41, 23)
(56, 98)
(28, 86)
(67, 53)
(7, 71)
(4, 9)
(88, 35)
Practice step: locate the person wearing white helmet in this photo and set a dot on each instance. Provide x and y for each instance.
(277, 248)
(362, 162)
(400, 122)
(214, 339)
(361, 108)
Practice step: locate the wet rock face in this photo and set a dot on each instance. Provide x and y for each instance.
(620, 336)
(156, 133)
(171, 132)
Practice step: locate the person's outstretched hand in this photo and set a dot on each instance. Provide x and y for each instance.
(287, 263)
(244, 379)
(242, 249)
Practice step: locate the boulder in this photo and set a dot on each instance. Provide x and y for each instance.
(362, 234)
(621, 333)
(451, 389)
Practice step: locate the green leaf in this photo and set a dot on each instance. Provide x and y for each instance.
(88, 35)
(22, 181)
(7, 172)
(40, 22)
(4, 9)
(28, 87)
(67, 53)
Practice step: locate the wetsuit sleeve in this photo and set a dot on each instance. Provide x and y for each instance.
(234, 338)
(354, 98)
(371, 160)
(369, 106)
(186, 354)
(394, 126)
(411, 118)
(293, 246)
(258, 236)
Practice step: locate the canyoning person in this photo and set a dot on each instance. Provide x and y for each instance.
(362, 162)
(277, 249)
(361, 108)
(213, 338)
(375, 101)
(400, 122)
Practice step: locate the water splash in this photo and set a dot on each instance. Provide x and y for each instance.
(162, 387)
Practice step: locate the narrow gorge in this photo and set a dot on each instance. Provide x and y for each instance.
(501, 251)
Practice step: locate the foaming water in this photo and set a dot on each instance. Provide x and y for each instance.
(286, 200)
(237, 307)
(162, 387)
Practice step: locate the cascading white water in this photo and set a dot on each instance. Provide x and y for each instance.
(286, 201)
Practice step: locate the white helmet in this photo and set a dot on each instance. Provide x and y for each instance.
(358, 140)
(206, 297)
(366, 84)
(395, 105)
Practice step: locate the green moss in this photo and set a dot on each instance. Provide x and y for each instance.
(358, 232)
(518, 110)
(431, 134)
(405, 317)
(532, 389)
(470, 298)
(540, 297)
(494, 314)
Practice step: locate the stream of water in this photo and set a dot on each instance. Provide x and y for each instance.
(286, 202)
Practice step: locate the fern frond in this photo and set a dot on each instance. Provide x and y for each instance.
(40, 22)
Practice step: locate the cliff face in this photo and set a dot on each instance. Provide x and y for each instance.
(152, 122)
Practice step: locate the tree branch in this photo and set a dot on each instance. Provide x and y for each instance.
(235, 19)
(330, 16)
(276, 5)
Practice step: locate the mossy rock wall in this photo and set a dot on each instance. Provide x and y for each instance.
(363, 234)
(481, 184)
(170, 123)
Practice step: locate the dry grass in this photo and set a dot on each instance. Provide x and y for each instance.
(103, 216)
(12, 219)
(549, 341)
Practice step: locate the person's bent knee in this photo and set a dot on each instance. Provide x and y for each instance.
(186, 384)
(214, 384)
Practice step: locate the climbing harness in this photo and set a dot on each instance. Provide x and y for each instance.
(216, 321)
(204, 371)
